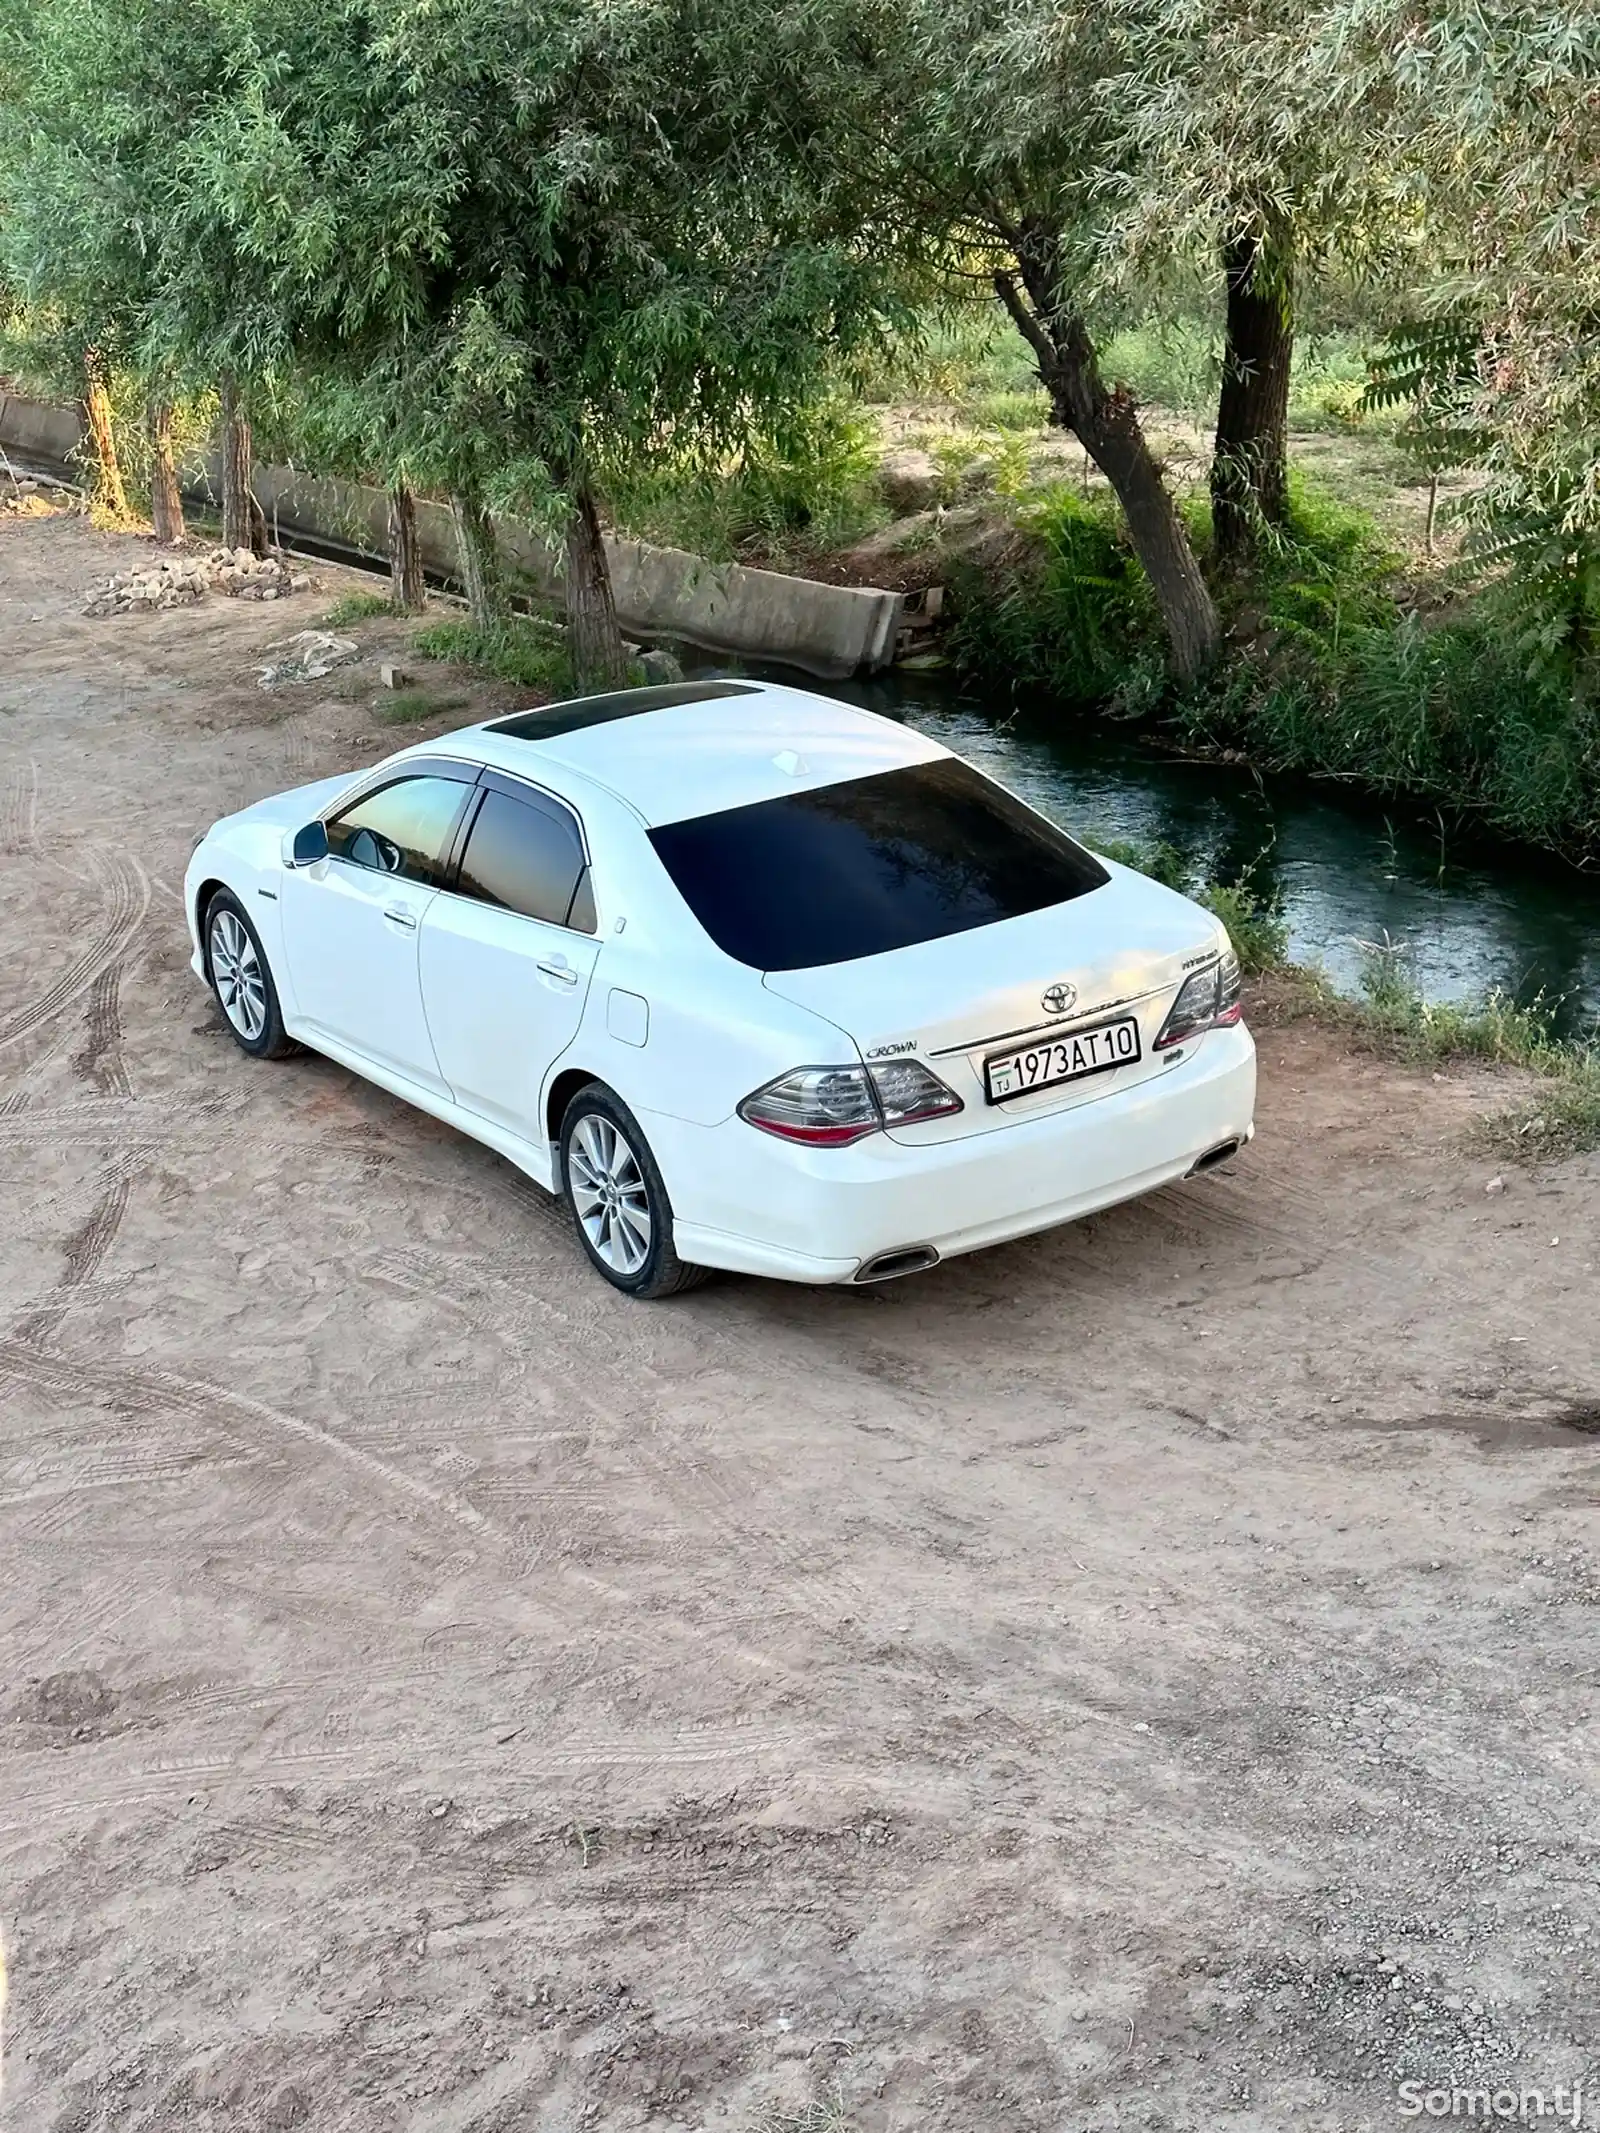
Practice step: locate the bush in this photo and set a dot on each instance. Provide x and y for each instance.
(357, 607)
(1075, 622)
(812, 491)
(518, 648)
(1336, 679)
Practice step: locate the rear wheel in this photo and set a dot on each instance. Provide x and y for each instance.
(618, 1200)
(237, 967)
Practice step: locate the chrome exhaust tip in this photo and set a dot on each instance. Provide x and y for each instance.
(888, 1266)
(1222, 1152)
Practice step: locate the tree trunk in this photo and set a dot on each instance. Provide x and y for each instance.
(1106, 424)
(243, 523)
(1249, 469)
(407, 590)
(477, 557)
(166, 505)
(109, 495)
(594, 641)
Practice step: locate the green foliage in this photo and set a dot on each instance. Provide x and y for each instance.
(1162, 862)
(409, 707)
(1259, 935)
(519, 648)
(1072, 624)
(357, 607)
(1560, 1113)
(804, 493)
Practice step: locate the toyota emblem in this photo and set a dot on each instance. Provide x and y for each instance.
(1059, 999)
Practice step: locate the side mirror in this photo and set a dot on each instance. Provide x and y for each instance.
(310, 845)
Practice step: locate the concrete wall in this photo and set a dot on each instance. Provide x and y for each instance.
(826, 630)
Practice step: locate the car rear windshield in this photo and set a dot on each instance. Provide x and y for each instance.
(873, 864)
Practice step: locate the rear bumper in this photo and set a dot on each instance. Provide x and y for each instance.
(761, 1206)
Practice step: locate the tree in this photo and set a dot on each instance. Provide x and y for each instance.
(534, 242)
(970, 139)
(1487, 109)
(97, 98)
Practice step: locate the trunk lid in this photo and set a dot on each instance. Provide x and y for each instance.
(955, 1002)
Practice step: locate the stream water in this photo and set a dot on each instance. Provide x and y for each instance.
(1472, 914)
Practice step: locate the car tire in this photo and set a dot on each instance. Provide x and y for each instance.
(619, 1203)
(241, 980)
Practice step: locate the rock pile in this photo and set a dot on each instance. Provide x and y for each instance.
(180, 580)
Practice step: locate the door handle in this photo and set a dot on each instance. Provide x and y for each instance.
(398, 915)
(562, 972)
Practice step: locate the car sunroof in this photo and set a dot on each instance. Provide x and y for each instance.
(552, 719)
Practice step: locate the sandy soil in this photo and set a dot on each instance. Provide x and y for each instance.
(1145, 1676)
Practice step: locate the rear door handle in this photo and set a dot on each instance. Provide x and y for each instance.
(563, 973)
(399, 915)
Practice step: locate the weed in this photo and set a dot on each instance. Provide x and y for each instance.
(518, 648)
(407, 707)
(356, 607)
(823, 2114)
(1069, 625)
(1560, 1113)
(1259, 935)
(809, 493)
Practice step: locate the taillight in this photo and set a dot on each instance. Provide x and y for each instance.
(1207, 999)
(830, 1106)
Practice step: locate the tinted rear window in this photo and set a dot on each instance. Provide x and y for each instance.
(876, 863)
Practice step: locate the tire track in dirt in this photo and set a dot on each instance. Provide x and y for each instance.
(126, 889)
(83, 1251)
(161, 1394)
(19, 810)
(101, 1060)
(31, 1806)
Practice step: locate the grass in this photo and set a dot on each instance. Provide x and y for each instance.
(1339, 678)
(806, 495)
(1558, 1112)
(1259, 935)
(409, 707)
(823, 2114)
(517, 648)
(356, 607)
(1076, 622)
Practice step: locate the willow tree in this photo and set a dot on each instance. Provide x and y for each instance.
(97, 107)
(1230, 165)
(1488, 109)
(619, 275)
(971, 137)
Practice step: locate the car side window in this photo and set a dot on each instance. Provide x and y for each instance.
(527, 857)
(404, 829)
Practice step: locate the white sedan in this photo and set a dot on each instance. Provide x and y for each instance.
(754, 979)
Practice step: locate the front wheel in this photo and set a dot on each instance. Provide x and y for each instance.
(237, 967)
(619, 1203)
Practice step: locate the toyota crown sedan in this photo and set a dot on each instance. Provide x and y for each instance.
(753, 979)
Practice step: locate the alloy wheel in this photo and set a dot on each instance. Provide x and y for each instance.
(609, 1195)
(237, 974)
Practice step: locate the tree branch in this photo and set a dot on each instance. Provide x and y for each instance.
(1005, 287)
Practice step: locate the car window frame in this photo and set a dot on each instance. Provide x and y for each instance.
(443, 769)
(541, 800)
(482, 777)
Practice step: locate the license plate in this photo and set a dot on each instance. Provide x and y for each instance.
(1045, 1066)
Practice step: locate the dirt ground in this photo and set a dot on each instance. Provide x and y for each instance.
(1140, 1677)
